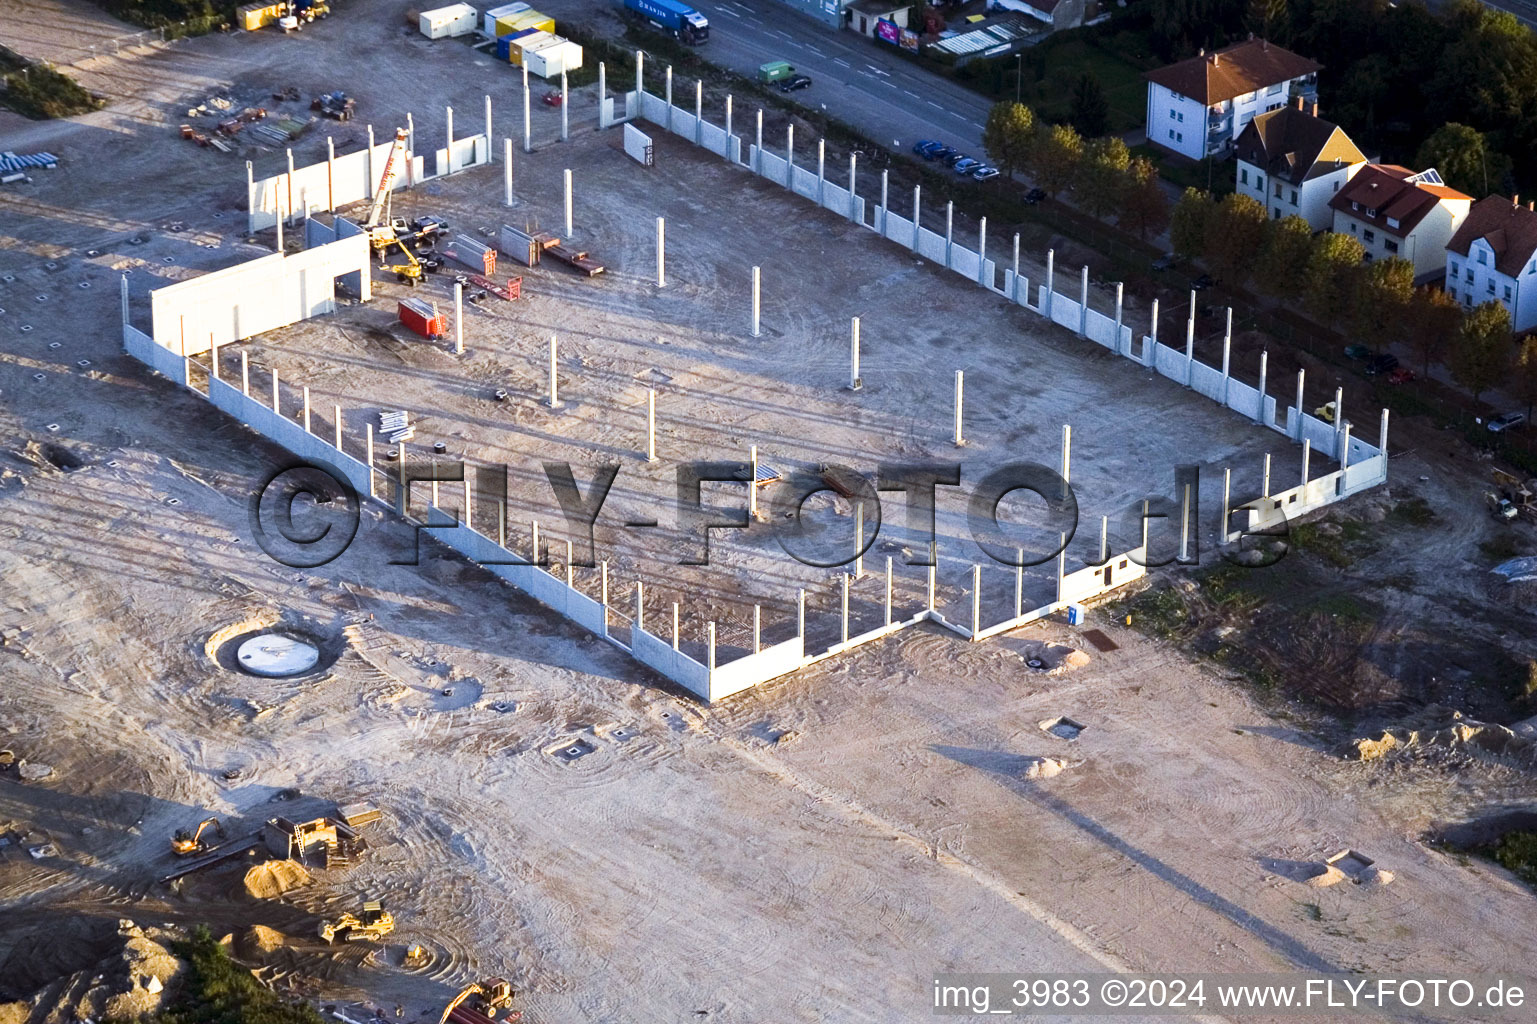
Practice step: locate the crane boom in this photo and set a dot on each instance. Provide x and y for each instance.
(382, 193)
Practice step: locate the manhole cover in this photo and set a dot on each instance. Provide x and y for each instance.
(1062, 728)
(275, 656)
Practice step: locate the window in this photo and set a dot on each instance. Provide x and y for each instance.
(1507, 293)
(1275, 88)
(1171, 133)
(1390, 245)
(1278, 213)
(1368, 236)
(1294, 197)
(1483, 260)
(1181, 118)
(1491, 286)
(1392, 222)
(1278, 190)
(1259, 182)
(1469, 275)
(1172, 114)
(1371, 211)
(1531, 268)
(1352, 227)
(1179, 136)
(1354, 206)
(1453, 270)
(1336, 186)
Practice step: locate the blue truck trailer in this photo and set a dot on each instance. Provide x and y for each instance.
(680, 19)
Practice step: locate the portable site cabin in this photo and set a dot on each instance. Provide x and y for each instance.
(447, 22)
(514, 23)
(504, 44)
(524, 41)
(550, 60)
(495, 14)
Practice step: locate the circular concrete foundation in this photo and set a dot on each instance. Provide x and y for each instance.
(276, 656)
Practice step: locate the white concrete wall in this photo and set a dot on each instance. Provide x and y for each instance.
(1164, 111)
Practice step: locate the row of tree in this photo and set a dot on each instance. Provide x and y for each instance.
(1374, 303)
(1104, 176)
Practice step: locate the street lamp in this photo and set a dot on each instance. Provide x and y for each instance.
(1019, 72)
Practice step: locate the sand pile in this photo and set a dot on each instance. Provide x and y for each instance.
(130, 983)
(257, 941)
(269, 880)
(1440, 730)
(1043, 767)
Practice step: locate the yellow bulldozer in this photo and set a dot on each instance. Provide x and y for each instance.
(484, 997)
(373, 924)
(186, 843)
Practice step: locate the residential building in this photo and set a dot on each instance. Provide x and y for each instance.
(1292, 162)
(1392, 211)
(865, 17)
(1059, 14)
(1198, 107)
(1493, 255)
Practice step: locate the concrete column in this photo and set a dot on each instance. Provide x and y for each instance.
(661, 253)
(306, 414)
(435, 487)
(122, 293)
(336, 418)
(565, 108)
(1104, 540)
(757, 628)
(250, 186)
(330, 179)
(368, 159)
(1019, 582)
(602, 92)
(213, 359)
(728, 126)
(1301, 377)
(1264, 488)
(821, 168)
(411, 140)
(1184, 524)
(976, 600)
(859, 539)
(1339, 418)
(790, 158)
(800, 613)
(917, 214)
(640, 605)
(602, 591)
(677, 632)
(757, 160)
(640, 76)
(449, 121)
(884, 193)
(490, 138)
(568, 203)
(1083, 302)
(651, 424)
(1190, 341)
(368, 459)
(949, 231)
(554, 392)
(1227, 352)
(275, 392)
(286, 201)
(853, 183)
(756, 305)
(888, 590)
(402, 492)
(1307, 450)
(281, 215)
(245, 374)
(699, 112)
(982, 252)
(844, 577)
(1382, 436)
(570, 582)
(1120, 307)
(458, 319)
(528, 117)
(854, 381)
(1344, 453)
(752, 481)
(501, 542)
(1264, 369)
(1014, 281)
(667, 95)
(960, 395)
(1150, 356)
(1051, 260)
(1067, 452)
(507, 171)
(1227, 503)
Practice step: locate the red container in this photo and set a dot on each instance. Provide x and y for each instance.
(423, 318)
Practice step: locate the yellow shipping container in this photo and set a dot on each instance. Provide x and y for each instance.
(255, 16)
(523, 20)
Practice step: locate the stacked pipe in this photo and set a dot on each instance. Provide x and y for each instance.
(396, 426)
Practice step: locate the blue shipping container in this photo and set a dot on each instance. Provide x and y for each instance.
(504, 43)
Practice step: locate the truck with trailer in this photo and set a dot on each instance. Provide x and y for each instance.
(687, 24)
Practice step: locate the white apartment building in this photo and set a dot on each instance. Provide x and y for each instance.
(1493, 257)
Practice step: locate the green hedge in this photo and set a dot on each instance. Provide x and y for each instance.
(40, 92)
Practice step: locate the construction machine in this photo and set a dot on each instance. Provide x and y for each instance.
(186, 843)
(382, 232)
(7, 760)
(373, 924)
(484, 997)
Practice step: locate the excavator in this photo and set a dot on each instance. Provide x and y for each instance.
(186, 843)
(483, 998)
(372, 925)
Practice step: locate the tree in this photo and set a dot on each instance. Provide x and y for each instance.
(1234, 236)
(1102, 175)
(1281, 268)
(1090, 111)
(1268, 19)
(1482, 354)
(1435, 317)
(1524, 381)
(1187, 225)
(1144, 205)
(1380, 305)
(1331, 269)
(1464, 159)
(1008, 135)
(1055, 157)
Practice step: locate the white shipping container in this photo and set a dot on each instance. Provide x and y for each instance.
(550, 60)
(489, 19)
(447, 22)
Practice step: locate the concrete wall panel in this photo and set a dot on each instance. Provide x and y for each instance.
(753, 669)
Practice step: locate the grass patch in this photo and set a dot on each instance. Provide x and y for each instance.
(1516, 852)
(220, 991)
(1339, 544)
(1413, 512)
(1345, 606)
(39, 92)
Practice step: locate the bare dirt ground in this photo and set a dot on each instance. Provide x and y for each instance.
(812, 850)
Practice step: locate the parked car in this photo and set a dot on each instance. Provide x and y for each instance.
(1168, 261)
(955, 157)
(795, 82)
(1202, 283)
(1034, 196)
(986, 172)
(966, 165)
(1402, 375)
(1357, 352)
(1387, 362)
(922, 146)
(940, 153)
(1506, 421)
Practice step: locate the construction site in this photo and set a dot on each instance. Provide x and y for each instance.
(721, 585)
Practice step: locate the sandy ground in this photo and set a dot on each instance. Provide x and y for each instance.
(814, 850)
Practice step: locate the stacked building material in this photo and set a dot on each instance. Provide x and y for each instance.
(16, 162)
(396, 425)
(478, 257)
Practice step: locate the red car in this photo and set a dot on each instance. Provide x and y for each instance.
(1402, 375)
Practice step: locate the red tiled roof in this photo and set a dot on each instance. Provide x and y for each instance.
(1509, 228)
(1383, 193)
(1294, 145)
(1232, 72)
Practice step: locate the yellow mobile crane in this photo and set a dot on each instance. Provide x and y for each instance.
(383, 234)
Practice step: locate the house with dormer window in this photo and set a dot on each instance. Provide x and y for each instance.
(1493, 257)
(1292, 162)
(1393, 211)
